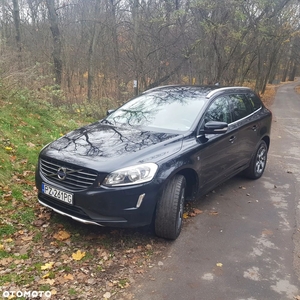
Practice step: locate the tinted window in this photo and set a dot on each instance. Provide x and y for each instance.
(240, 106)
(219, 110)
(254, 101)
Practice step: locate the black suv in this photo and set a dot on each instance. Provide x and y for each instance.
(145, 159)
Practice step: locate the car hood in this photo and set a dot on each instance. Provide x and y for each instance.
(105, 147)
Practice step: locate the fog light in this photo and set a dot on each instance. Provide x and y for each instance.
(140, 200)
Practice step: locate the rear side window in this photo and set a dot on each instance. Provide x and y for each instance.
(254, 101)
(240, 106)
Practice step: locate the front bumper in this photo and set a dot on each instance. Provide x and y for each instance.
(116, 207)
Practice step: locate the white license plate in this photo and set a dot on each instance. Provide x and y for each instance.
(57, 194)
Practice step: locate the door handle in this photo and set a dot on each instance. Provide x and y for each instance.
(232, 139)
(254, 127)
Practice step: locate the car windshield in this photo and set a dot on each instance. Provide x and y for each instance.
(174, 109)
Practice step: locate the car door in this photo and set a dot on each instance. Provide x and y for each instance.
(243, 112)
(217, 152)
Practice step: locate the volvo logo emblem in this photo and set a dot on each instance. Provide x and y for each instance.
(62, 173)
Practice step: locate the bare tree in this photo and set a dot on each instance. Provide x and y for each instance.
(17, 22)
(57, 45)
(91, 52)
(98, 47)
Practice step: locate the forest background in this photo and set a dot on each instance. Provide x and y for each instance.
(106, 51)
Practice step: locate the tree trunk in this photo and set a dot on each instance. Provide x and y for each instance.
(57, 47)
(285, 72)
(116, 51)
(16, 15)
(93, 43)
(292, 72)
(136, 25)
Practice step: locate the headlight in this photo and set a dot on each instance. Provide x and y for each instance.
(131, 175)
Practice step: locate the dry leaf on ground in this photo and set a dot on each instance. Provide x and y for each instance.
(78, 255)
(213, 213)
(69, 277)
(47, 266)
(62, 235)
(185, 215)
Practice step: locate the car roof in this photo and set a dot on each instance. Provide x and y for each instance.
(206, 90)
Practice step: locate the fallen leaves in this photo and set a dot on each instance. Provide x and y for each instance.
(8, 196)
(46, 275)
(78, 255)
(191, 212)
(213, 213)
(62, 235)
(47, 266)
(47, 256)
(64, 278)
(195, 212)
(112, 268)
(107, 295)
(27, 238)
(47, 281)
(185, 215)
(5, 261)
(9, 240)
(30, 145)
(68, 277)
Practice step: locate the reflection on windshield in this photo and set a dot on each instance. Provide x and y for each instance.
(174, 109)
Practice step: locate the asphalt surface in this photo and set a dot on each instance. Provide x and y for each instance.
(245, 244)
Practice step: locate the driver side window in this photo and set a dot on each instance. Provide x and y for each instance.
(218, 111)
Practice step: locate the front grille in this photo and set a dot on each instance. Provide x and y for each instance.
(76, 179)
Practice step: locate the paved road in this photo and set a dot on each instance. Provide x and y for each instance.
(245, 245)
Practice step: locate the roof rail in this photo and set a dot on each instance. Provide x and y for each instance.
(211, 93)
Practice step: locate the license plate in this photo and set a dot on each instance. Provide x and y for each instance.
(57, 194)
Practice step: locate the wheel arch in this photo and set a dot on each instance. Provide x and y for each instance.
(192, 182)
(266, 139)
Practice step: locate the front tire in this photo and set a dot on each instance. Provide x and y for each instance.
(169, 210)
(258, 162)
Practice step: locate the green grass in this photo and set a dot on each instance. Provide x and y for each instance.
(4, 254)
(26, 216)
(6, 230)
(72, 292)
(26, 125)
(21, 279)
(37, 237)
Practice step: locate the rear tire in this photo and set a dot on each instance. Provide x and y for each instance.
(258, 162)
(169, 211)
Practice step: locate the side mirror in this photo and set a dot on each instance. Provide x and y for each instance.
(109, 111)
(214, 127)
